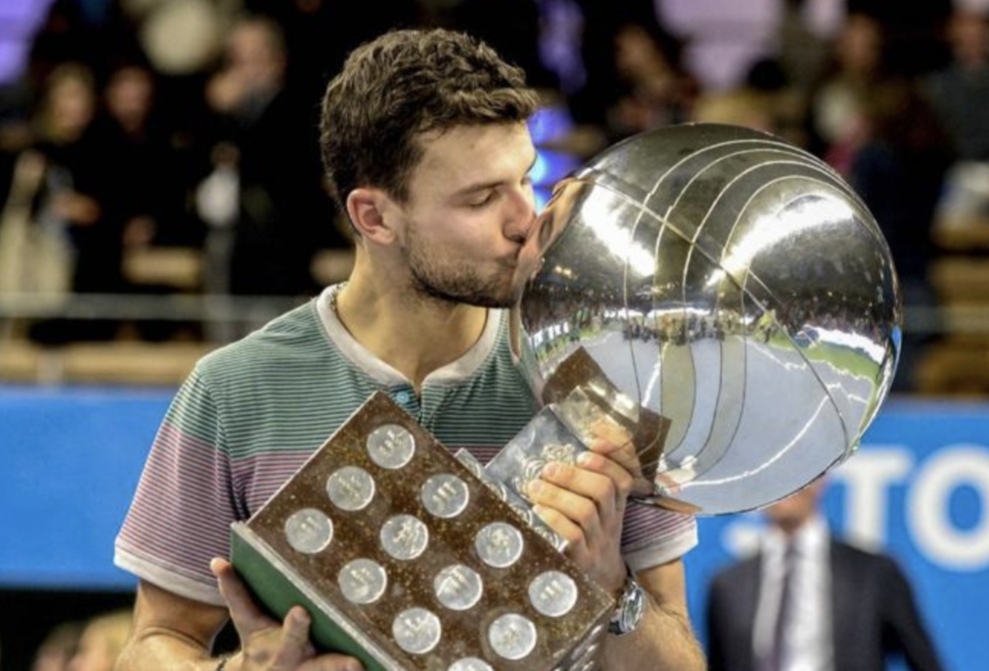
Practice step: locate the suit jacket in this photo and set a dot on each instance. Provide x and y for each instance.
(873, 611)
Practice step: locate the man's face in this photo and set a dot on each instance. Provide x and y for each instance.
(794, 510)
(464, 230)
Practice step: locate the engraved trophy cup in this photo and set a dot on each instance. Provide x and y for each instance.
(728, 298)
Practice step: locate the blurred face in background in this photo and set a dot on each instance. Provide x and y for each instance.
(791, 513)
(70, 102)
(969, 36)
(860, 46)
(129, 96)
(254, 52)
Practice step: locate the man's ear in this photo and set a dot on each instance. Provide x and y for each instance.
(366, 208)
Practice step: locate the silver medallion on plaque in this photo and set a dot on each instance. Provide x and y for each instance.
(513, 636)
(458, 587)
(404, 536)
(362, 581)
(445, 495)
(309, 530)
(499, 544)
(351, 488)
(417, 630)
(391, 446)
(553, 593)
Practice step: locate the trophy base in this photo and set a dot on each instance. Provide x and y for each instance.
(408, 561)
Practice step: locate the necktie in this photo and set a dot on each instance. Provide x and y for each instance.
(776, 651)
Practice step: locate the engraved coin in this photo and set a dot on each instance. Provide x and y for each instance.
(553, 593)
(362, 581)
(391, 446)
(350, 488)
(458, 587)
(404, 536)
(512, 636)
(308, 530)
(470, 664)
(499, 544)
(416, 630)
(444, 495)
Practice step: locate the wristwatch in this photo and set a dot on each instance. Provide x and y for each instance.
(631, 606)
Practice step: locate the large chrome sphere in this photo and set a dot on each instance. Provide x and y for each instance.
(735, 285)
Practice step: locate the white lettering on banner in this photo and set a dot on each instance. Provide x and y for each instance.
(867, 477)
(929, 507)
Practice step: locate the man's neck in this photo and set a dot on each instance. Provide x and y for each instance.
(415, 335)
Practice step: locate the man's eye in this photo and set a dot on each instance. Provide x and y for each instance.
(484, 201)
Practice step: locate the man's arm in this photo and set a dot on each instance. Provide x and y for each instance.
(174, 633)
(664, 638)
(171, 632)
(585, 503)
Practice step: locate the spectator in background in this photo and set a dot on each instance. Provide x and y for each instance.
(960, 91)
(281, 208)
(102, 639)
(810, 601)
(836, 102)
(149, 167)
(48, 203)
(959, 94)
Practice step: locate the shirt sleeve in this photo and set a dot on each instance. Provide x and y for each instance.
(180, 516)
(652, 535)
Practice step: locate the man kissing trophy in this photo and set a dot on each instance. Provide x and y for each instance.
(713, 298)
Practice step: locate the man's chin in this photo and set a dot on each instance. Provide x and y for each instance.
(496, 300)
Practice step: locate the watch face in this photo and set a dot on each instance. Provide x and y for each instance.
(634, 606)
(631, 606)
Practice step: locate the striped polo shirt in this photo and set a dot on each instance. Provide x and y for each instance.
(251, 413)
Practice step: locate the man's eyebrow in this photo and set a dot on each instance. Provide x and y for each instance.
(484, 186)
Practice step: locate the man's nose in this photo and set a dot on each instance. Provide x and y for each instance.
(521, 217)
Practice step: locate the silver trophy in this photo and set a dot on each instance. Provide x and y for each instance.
(723, 295)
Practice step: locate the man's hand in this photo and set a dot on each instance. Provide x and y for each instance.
(267, 644)
(585, 503)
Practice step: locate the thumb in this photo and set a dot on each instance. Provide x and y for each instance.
(247, 617)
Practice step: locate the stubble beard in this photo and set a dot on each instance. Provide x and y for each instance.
(456, 282)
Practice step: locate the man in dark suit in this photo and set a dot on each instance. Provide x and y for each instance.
(808, 601)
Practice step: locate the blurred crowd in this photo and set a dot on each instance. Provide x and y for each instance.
(191, 124)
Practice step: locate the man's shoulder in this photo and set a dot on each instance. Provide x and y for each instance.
(289, 341)
(853, 553)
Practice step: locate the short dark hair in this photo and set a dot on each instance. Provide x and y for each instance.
(401, 85)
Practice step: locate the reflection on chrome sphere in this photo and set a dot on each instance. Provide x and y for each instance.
(733, 284)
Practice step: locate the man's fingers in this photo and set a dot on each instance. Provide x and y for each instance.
(294, 646)
(615, 443)
(246, 615)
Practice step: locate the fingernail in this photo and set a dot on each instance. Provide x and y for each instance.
(534, 487)
(584, 458)
(551, 469)
(300, 617)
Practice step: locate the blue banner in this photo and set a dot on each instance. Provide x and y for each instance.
(70, 459)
